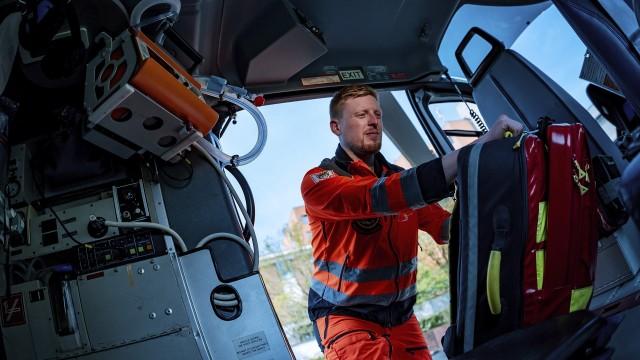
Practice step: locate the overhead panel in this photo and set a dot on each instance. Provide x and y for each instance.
(277, 46)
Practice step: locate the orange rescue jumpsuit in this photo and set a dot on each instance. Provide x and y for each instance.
(365, 240)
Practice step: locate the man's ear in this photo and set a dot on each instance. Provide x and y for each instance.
(335, 127)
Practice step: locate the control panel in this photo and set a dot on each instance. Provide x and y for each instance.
(119, 250)
(62, 227)
(48, 235)
(130, 201)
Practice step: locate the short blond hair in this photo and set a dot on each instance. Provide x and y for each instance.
(346, 93)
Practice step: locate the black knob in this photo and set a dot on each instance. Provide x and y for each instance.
(96, 227)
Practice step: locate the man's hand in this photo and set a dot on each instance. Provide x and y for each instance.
(498, 129)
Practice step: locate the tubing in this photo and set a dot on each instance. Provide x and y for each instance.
(254, 239)
(149, 225)
(218, 88)
(225, 236)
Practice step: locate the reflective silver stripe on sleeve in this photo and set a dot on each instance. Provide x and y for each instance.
(379, 200)
(411, 189)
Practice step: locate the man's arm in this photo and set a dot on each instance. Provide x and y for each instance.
(504, 123)
(328, 195)
(435, 221)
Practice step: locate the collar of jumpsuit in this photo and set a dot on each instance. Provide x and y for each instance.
(380, 164)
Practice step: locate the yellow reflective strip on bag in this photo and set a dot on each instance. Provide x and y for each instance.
(541, 228)
(580, 298)
(539, 268)
(493, 282)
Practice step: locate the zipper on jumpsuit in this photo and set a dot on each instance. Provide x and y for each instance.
(344, 264)
(371, 336)
(397, 274)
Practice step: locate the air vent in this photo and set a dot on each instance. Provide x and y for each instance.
(226, 302)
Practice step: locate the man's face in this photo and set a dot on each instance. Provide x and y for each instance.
(360, 126)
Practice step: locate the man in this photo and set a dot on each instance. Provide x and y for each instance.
(364, 215)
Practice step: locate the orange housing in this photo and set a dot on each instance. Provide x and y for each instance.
(157, 77)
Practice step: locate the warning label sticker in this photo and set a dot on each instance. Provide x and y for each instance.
(13, 311)
(320, 80)
(251, 345)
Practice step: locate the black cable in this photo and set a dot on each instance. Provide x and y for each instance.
(474, 116)
(64, 227)
(463, 133)
(248, 198)
(249, 201)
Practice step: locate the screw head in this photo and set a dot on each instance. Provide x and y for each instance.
(156, 267)
(168, 311)
(140, 271)
(152, 315)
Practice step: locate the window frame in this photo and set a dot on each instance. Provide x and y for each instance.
(444, 92)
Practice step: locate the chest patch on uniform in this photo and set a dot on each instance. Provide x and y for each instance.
(366, 226)
(323, 175)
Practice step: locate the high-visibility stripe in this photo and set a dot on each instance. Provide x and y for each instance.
(341, 299)
(363, 275)
(395, 194)
(580, 298)
(541, 228)
(539, 268)
(407, 292)
(379, 200)
(364, 288)
(471, 275)
(493, 282)
(411, 189)
(404, 193)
